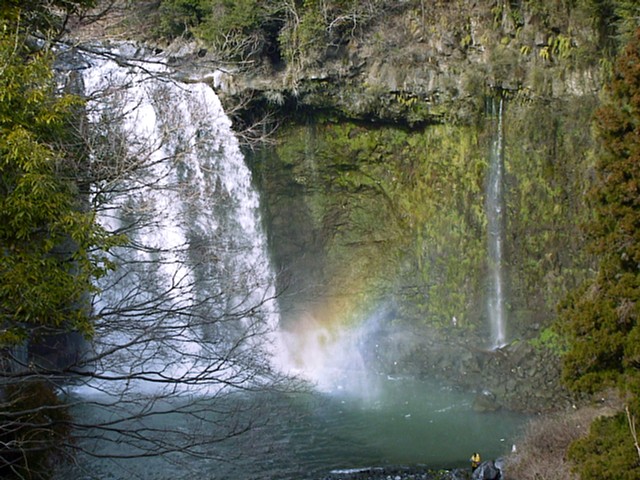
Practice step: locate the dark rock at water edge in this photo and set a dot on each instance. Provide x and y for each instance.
(485, 401)
(399, 473)
(487, 471)
(516, 377)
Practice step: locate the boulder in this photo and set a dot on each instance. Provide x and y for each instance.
(487, 471)
(486, 402)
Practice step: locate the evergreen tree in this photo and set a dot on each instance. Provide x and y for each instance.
(602, 318)
(50, 246)
(47, 241)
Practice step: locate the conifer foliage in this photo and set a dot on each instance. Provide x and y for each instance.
(602, 318)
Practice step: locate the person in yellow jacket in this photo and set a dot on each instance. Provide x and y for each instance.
(475, 461)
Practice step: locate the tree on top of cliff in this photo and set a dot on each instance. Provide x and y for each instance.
(614, 20)
(602, 317)
(46, 17)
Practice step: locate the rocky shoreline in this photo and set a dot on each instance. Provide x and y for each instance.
(519, 377)
(399, 473)
(488, 470)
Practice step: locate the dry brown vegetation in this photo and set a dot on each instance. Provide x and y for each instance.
(542, 451)
(115, 20)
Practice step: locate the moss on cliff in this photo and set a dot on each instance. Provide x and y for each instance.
(549, 160)
(400, 213)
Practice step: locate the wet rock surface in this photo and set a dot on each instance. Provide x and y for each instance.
(487, 470)
(517, 377)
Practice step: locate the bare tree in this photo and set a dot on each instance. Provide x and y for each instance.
(184, 325)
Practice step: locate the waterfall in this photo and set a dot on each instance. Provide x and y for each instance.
(193, 288)
(495, 207)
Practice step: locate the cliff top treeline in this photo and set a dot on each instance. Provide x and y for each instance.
(305, 31)
(439, 56)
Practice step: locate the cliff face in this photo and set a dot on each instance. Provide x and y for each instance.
(382, 152)
(375, 191)
(434, 62)
(375, 186)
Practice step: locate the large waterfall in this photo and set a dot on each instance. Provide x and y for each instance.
(180, 379)
(495, 232)
(193, 288)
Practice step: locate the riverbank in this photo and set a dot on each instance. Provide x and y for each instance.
(400, 473)
(541, 451)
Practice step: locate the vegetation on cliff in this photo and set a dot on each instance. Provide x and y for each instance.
(602, 316)
(405, 209)
(379, 201)
(48, 241)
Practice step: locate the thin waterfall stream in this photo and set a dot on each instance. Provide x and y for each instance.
(495, 207)
(187, 328)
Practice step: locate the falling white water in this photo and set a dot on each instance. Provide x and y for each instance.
(495, 236)
(194, 283)
(333, 360)
(341, 359)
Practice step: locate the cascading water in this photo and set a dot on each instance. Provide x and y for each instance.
(495, 207)
(194, 281)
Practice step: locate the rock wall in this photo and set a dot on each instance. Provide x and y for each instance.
(374, 190)
(434, 62)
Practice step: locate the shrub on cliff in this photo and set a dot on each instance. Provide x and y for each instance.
(179, 17)
(236, 30)
(607, 452)
(244, 30)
